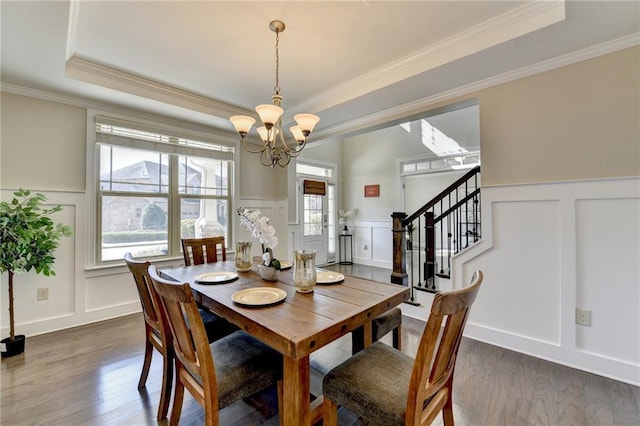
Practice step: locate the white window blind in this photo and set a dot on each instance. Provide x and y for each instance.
(118, 132)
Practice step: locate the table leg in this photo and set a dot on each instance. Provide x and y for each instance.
(368, 333)
(296, 392)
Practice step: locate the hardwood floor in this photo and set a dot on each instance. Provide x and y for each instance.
(88, 376)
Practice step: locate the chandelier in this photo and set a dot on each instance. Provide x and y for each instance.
(274, 149)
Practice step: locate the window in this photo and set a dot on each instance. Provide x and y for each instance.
(453, 162)
(154, 189)
(313, 170)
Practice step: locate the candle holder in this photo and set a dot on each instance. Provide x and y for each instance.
(304, 270)
(243, 256)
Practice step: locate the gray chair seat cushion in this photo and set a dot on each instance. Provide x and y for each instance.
(215, 326)
(386, 322)
(374, 384)
(244, 366)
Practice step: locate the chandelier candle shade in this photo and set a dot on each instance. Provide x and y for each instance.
(275, 149)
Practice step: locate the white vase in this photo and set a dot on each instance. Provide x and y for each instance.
(268, 273)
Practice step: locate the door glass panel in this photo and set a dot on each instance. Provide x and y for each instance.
(312, 215)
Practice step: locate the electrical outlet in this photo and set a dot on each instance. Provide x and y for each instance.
(583, 317)
(43, 293)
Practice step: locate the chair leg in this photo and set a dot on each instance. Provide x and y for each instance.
(177, 401)
(167, 382)
(447, 410)
(148, 353)
(330, 415)
(397, 338)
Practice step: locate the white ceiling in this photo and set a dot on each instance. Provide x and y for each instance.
(354, 63)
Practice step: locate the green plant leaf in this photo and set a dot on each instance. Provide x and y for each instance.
(28, 236)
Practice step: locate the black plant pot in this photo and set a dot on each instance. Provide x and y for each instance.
(15, 347)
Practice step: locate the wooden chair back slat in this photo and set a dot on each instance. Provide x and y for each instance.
(197, 251)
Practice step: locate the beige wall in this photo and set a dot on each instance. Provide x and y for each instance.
(43, 144)
(328, 151)
(260, 182)
(369, 159)
(576, 122)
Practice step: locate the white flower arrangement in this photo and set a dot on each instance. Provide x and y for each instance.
(263, 232)
(345, 215)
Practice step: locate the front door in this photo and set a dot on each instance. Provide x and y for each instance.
(314, 224)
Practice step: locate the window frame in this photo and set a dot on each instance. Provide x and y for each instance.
(177, 129)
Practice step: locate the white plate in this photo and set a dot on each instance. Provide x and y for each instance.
(328, 277)
(259, 296)
(284, 264)
(216, 277)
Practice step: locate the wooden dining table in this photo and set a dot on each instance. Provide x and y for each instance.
(298, 325)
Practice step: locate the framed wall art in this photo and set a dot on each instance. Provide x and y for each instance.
(372, 190)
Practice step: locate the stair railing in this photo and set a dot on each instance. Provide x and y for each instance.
(444, 226)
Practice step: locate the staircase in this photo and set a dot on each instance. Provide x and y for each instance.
(425, 241)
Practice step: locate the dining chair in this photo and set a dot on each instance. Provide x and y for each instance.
(158, 334)
(390, 321)
(389, 387)
(197, 251)
(217, 374)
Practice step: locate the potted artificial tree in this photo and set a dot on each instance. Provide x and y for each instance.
(28, 238)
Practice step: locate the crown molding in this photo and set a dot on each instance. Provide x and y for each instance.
(530, 17)
(102, 75)
(422, 105)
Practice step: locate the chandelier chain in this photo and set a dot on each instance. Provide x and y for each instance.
(276, 88)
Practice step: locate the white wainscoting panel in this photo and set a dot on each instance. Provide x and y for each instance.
(377, 238)
(110, 290)
(607, 274)
(547, 249)
(526, 257)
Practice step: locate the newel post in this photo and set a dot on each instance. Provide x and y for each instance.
(399, 274)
